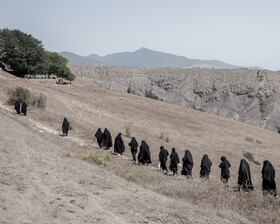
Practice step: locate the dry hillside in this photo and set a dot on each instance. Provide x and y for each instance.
(250, 96)
(43, 178)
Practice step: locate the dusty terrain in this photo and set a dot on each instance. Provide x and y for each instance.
(43, 178)
(246, 95)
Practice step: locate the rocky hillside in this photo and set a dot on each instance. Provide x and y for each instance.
(250, 96)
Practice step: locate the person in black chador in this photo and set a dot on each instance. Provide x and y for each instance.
(163, 154)
(119, 147)
(174, 160)
(244, 176)
(187, 164)
(133, 146)
(205, 167)
(17, 107)
(225, 173)
(144, 156)
(65, 127)
(24, 108)
(268, 176)
(98, 136)
(106, 139)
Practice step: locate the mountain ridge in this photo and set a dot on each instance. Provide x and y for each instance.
(146, 58)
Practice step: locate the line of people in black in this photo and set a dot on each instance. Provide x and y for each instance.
(144, 157)
(23, 108)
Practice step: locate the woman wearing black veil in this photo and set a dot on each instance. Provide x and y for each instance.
(119, 147)
(225, 173)
(65, 127)
(205, 167)
(187, 164)
(98, 136)
(244, 176)
(174, 160)
(163, 154)
(268, 176)
(106, 139)
(144, 156)
(133, 146)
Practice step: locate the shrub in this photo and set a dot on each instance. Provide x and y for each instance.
(258, 141)
(167, 139)
(161, 135)
(151, 95)
(251, 158)
(91, 157)
(129, 176)
(127, 131)
(20, 94)
(249, 139)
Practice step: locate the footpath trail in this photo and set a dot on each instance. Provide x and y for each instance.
(40, 184)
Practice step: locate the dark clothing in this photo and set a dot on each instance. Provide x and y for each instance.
(268, 176)
(98, 136)
(174, 160)
(17, 107)
(144, 155)
(133, 146)
(244, 176)
(225, 165)
(205, 167)
(24, 108)
(163, 154)
(119, 147)
(187, 163)
(65, 126)
(106, 139)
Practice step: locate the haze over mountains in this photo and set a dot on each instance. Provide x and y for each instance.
(146, 58)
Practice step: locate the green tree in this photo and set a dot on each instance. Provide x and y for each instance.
(22, 53)
(58, 66)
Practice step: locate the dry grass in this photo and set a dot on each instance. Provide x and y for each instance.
(201, 133)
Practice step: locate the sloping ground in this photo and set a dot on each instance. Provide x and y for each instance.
(250, 96)
(40, 167)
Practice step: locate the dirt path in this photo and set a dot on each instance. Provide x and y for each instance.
(40, 184)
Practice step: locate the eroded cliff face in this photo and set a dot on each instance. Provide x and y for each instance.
(251, 96)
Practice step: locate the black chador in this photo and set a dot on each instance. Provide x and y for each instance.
(98, 136)
(119, 145)
(225, 173)
(244, 176)
(24, 108)
(187, 164)
(133, 146)
(65, 127)
(205, 167)
(174, 160)
(163, 154)
(17, 107)
(144, 155)
(106, 140)
(268, 176)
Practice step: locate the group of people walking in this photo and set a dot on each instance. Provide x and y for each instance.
(23, 108)
(104, 140)
(144, 157)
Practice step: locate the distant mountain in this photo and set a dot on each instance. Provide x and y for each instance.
(146, 58)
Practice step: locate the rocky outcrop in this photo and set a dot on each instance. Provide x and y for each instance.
(251, 96)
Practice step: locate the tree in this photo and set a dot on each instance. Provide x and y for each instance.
(58, 66)
(22, 53)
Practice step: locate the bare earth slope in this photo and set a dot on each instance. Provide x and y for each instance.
(250, 96)
(43, 178)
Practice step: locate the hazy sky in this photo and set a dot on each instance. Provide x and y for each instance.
(239, 32)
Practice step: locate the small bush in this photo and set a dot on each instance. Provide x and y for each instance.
(167, 139)
(68, 153)
(127, 131)
(251, 158)
(20, 94)
(249, 139)
(91, 157)
(129, 176)
(151, 95)
(161, 136)
(258, 141)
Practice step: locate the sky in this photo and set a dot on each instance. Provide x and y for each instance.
(238, 32)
